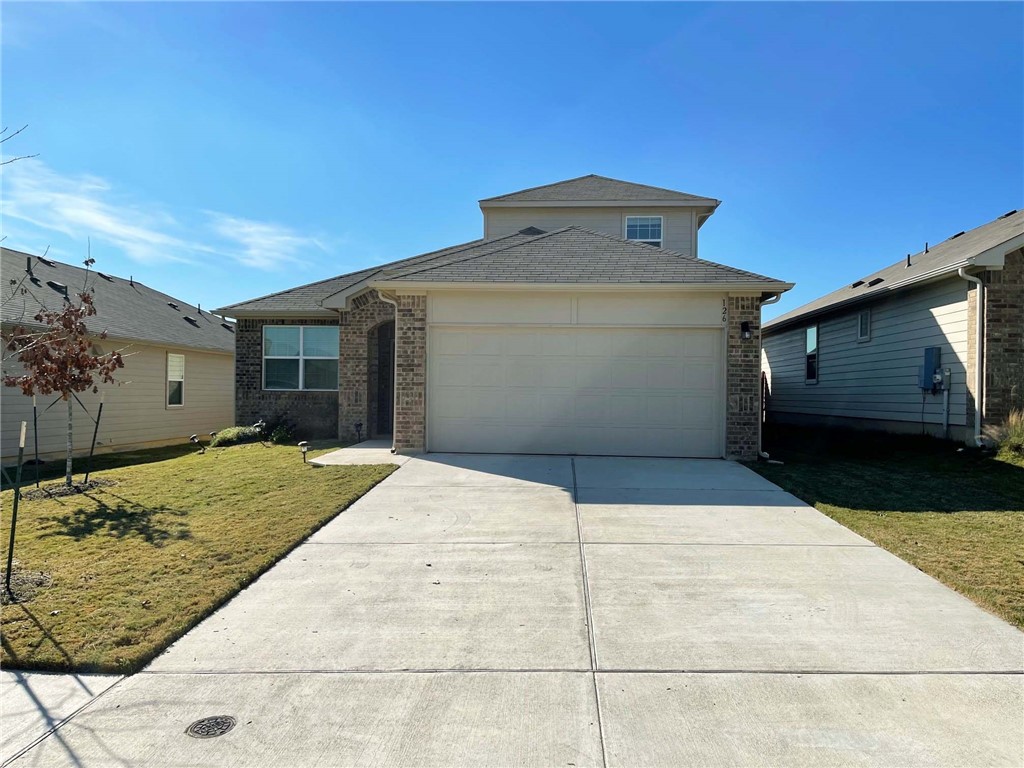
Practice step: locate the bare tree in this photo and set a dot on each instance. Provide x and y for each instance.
(58, 355)
(8, 137)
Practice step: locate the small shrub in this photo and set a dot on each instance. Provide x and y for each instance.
(235, 436)
(281, 435)
(1011, 433)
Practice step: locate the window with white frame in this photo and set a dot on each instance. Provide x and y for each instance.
(811, 355)
(644, 229)
(300, 357)
(175, 380)
(864, 325)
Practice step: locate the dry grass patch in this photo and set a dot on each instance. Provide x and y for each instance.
(957, 515)
(136, 564)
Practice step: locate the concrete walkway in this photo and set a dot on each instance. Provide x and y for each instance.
(499, 611)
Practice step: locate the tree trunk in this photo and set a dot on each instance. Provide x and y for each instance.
(67, 466)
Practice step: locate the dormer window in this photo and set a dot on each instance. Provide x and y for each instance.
(644, 229)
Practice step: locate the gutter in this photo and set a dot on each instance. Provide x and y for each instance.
(979, 340)
(761, 453)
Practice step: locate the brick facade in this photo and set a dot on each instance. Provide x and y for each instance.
(743, 378)
(356, 376)
(315, 414)
(411, 374)
(1004, 340)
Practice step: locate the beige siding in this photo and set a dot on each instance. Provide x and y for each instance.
(677, 224)
(876, 379)
(135, 412)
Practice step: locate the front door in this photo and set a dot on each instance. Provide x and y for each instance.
(385, 378)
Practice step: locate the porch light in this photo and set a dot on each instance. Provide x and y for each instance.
(304, 446)
(745, 331)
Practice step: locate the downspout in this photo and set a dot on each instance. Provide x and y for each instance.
(979, 340)
(760, 413)
(394, 372)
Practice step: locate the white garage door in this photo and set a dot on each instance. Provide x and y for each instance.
(597, 391)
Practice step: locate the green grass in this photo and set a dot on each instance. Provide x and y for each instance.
(957, 515)
(137, 564)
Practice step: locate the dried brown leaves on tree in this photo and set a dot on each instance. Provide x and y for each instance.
(60, 358)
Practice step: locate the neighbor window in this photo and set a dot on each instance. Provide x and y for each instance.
(811, 355)
(175, 380)
(864, 325)
(645, 229)
(300, 357)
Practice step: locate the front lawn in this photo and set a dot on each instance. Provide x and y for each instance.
(957, 515)
(137, 563)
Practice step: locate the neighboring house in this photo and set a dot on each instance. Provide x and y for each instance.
(857, 357)
(582, 323)
(177, 377)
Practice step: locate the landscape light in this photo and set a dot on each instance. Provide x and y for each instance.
(303, 446)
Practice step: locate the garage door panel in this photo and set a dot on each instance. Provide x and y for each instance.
(699, 376)
(664, 375)
(645, 392)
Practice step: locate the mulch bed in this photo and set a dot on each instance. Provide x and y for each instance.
(24, 585)
(55, 490)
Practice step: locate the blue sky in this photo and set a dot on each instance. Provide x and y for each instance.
(223, 151)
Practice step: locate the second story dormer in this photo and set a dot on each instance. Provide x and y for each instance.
(660, 217)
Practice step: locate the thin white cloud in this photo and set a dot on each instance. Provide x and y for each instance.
(86, 206)
(263, 245)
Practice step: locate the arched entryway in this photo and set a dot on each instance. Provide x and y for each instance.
(381, 379)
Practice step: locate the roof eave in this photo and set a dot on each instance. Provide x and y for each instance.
(274, 314)
(751, 287)
(993, 258)
(698, 203)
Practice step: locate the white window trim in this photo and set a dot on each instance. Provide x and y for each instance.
(300, 357)
(660, 243)
(167, 381)
(817, 354)
(861, 314)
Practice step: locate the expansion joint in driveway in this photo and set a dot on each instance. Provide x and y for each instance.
(589, 612)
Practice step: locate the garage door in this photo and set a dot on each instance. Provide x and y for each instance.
(597, 391)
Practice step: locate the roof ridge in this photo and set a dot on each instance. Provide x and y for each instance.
(545, 186)
(490, 252)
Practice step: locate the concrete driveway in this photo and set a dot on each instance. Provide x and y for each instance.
(499, 611)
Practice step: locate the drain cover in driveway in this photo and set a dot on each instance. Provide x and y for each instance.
(208, 727)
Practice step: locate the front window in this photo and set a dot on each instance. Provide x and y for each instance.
(644, 229)
(811, 355)
(300, 357)
(175, 380)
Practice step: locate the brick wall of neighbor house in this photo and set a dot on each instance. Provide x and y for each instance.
(314, 413)
(743, 378)
(410, 374)
(1004, 340)
(354, 376)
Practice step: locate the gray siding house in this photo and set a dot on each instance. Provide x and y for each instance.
(913, 347)
(582, 322)
(179, 362)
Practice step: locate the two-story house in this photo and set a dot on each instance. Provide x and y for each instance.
(582, 322)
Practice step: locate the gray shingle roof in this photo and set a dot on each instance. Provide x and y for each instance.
(575, 255)
(307, 300)
(595, 188)
(124, 309)
(946, 257)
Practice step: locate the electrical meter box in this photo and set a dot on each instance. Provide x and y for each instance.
(927, 373)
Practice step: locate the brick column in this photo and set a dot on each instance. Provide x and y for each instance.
(1004, 341)
(411, 374)
(354, 352)
(743, 378)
